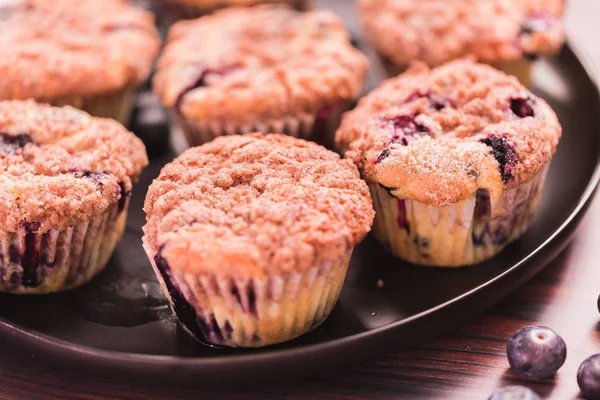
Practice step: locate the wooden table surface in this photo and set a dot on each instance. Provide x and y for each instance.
(467, 363)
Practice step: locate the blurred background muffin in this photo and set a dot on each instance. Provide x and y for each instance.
(65, 183)
(89, 54)
(508, 34)
(455, 158)
(265, 68)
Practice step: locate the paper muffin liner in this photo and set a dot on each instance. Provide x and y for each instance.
(250, 312)
(319, 127)
(465, 233)
(116, 105)
(37, 263)
(175, 11)
(521, 68)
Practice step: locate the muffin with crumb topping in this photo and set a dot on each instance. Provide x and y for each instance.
(89, 54)
(189, 9)
(508, 34)
(251, 236)
(455, 158)
(65, 181)
(265, 68)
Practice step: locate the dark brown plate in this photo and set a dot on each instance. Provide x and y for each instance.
(120, 325)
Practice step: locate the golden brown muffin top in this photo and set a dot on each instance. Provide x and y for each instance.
(51, 49)
(253, 205)
(60, 166)
(437, 31)
(438, 135)
(245, 65)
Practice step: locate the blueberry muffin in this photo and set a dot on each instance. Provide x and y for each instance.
(251, 236)
(455, 158)
(508, 34)
(65, 181)
(186, 9)
(85, 53)
(265, 68)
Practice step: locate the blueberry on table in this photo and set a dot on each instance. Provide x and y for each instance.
(588, 377)
(536, 352)
(514, 393)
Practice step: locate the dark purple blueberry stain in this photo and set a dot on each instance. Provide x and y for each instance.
(436, 101)
(504, 152)
(422, 245)
(385, 153)
(235, 293)
(485, 236)
(538, 22)
(255, 337)
(9, 144)
(388, 189)
(320, 127)
(200, 81)
(402, 216)
(252, 300)
(15, 280)
(522, 107)
(228, 329)
(123, 195)
(403, 128)
(31, 227)
(95, 177)
(214, 326)
(483, 204)
(30, 261)
(14, 256)
(183, 309)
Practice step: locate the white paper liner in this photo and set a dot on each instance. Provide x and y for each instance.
(319, 127)
(454, 236)
(247, 312)
(116, 105)
(521, 68)
(33, 263)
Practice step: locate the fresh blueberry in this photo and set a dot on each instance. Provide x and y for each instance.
(504, 152)
(436, 101)
(11, 143)
(588, 377)
(95, 177)
(522, 107)
(124, 195)
(514, 393)
(536, 352)
(385, 153)
(538, 22)
(200, 81)
(403, 127)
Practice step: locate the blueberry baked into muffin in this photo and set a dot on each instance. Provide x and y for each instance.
(251, 236)
(265, 68)
(186, 9)
(65, 181)
(89, 54)
(455, 158)
(508, 34)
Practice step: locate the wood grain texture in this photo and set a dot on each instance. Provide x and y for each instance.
(467, 363)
